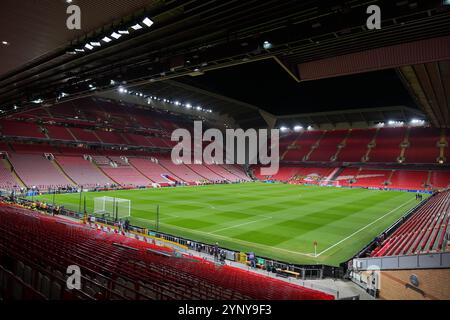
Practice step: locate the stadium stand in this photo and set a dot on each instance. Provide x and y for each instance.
(328, 146)
(20, 128)
(120, 161)
(157, 142)
(110, 137)
(36, 148)
(59, 133)
(7, 180)
(151, 170)
(303, 145)
(356, 145)
(387, 147)
(82, 171)
(371, 178)
(289, 150)
(4, 147)
(407, 179)
(423, 145)
(440, 179)
(84, 135)
(110, 271)
(37, 171)
(221, 171)
(181, 171)
(424, 231)
(121, 172)
(135, 139)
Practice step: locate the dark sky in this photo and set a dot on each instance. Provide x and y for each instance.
(266, 85)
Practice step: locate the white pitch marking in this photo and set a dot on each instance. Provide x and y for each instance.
(311, 255)
(358, 231)
(239, 225)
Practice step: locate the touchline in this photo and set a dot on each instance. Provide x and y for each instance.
(241, 147)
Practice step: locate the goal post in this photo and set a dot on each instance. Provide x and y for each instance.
(114, 207)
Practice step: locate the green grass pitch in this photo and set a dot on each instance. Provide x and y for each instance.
(279, 221)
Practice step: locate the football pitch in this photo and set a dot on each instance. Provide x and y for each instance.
(278, 221)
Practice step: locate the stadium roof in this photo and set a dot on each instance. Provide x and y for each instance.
(189, 38)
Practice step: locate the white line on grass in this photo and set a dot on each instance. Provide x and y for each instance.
(160, 219)
(358, 231)
(248, 243)
(240, 225)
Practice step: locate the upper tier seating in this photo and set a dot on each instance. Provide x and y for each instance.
(424, 231)
(4, 147)
(110, 137)
(125, 267)
(84, 135)
(423, 145)
(314, 172)
(387, 145)
(328, 145)
(157, 142)
(22, 129)
(136, 139)
(285, 142)
(36, 170)
(82, 171)
(220, 171)
(38, 148)
(356, 145)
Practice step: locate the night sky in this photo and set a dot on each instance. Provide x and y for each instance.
(266, 85)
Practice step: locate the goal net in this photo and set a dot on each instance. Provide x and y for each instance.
(114, 207)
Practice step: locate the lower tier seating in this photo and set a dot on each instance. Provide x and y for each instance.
(7, 180)
(205, 172)
(151, 170)
(35, 170)
(37, 250)
(237, 171)
(83, 172)
(221, 171)
(424, 231)
(126, 176)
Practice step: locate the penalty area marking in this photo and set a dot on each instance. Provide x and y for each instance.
(358, 231)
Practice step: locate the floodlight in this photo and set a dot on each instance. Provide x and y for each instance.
(147, 22)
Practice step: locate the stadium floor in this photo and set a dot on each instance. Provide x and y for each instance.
(278, 221)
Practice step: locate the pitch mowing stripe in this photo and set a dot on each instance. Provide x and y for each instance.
(240, 225)
(358, 231)
(233, 239)
(300, 215)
